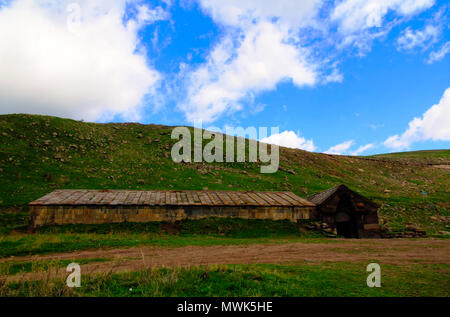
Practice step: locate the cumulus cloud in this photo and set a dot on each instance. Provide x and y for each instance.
(434, 125)
(341, 148)
(260, 49)
(260, 62)
(267, 42)
(77, 60)
(290, 139)
(411, 39)
(99, 69)
(438, 55)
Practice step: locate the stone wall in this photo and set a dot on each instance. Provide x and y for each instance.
(60, 215)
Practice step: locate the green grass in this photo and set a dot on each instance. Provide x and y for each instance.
(39, 154)
(13, 219)
(17, 267)
(427, 157)
(268, 280)
(205, 232)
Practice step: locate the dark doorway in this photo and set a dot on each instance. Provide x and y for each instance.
(345, 220)
(344, 229)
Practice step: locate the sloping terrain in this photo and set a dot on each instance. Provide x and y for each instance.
(265, 258)
(39, 154)
(435, 157)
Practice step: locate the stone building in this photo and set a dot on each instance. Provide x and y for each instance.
(113, 206)
(352, 215)
(343, 210)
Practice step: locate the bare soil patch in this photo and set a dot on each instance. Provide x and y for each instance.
(394, 251)
(443, 166)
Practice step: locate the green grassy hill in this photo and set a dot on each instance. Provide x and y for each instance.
(435, 157)
(39, 154)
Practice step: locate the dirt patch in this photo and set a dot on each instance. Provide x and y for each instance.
(443, 166)
(395, 251)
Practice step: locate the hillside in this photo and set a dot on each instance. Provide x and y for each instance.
(435, 157)
(39, 154)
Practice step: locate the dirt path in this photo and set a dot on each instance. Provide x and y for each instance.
(442, 166)
(395, 251)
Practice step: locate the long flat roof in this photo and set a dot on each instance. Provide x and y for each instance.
(171, 198)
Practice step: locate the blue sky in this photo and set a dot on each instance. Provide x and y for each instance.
(345, 77)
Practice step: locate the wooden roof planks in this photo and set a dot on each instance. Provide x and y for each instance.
(173, 198)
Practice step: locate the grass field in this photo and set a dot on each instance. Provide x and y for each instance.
(202, 232)
(39, 154)
(268, 280)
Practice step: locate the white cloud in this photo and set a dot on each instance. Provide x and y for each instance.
(362, 149)
(241, 13)
(91, 71)
(411, 39)
(148, 15)
(102, 70)
(434, 125)
(344, 148)
(355, 16)
(290, 139)
(261, 61)
(260, 49)
(266, 42)
(360, 22)
(341, 148)
(439, 54)
(335, 76)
